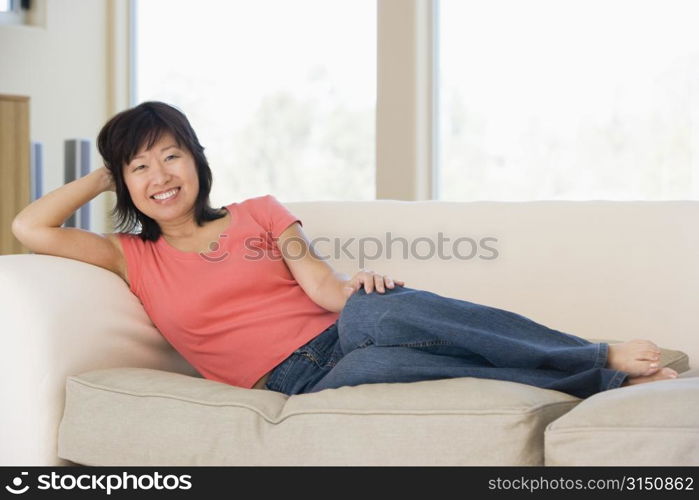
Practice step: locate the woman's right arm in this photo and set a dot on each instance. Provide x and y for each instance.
(38, 225)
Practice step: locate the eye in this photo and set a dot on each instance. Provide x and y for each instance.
(166, 158)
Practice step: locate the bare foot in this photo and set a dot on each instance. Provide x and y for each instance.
(638, 358)
(663, 374)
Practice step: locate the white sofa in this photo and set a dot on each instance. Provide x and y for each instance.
(89, 380)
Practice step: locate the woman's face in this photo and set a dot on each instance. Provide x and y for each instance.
(159, 171)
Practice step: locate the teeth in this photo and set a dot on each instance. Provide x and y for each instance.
(165, 195)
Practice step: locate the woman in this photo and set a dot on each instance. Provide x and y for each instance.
(217, 286)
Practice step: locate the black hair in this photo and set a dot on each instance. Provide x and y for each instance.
(128, 132)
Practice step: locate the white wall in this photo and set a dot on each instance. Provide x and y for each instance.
(75, 65)
(61, 64)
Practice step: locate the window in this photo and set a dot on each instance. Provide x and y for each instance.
(12, 11)
(281, 94)
(587, 99)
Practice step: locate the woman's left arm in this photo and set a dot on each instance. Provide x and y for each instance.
(325, 286)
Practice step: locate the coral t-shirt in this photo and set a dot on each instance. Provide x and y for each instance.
(233, 313)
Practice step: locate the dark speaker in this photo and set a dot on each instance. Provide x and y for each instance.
(36, 160)
(77, 165)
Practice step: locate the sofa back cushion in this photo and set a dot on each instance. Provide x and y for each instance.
(602, 269)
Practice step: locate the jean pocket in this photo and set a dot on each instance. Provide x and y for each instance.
(311, 356)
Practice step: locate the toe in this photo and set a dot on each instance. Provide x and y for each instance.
(668, 372)
(651, 370)
(650, 355)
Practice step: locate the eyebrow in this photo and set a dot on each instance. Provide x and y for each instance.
(162, 150)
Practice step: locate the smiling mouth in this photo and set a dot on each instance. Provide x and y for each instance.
(173, 192)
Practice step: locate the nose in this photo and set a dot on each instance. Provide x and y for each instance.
(159, 175)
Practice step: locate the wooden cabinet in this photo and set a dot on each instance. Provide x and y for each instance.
(14, 167)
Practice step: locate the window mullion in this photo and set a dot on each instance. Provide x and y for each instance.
(406, 100)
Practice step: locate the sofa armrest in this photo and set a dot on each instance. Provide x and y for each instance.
(62, 317)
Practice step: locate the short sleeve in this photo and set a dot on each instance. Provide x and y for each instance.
(133, 253)
(277, 216)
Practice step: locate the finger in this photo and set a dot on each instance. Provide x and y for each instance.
(378, 280)
(365, 279)
(389, 282)
(368, 285)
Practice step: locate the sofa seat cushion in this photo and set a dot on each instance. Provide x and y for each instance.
(646, 424)
(137, 416)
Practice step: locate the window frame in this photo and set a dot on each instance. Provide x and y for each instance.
(15, 16)
(407, 87)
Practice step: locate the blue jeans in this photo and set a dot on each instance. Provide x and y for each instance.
(406, 335)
